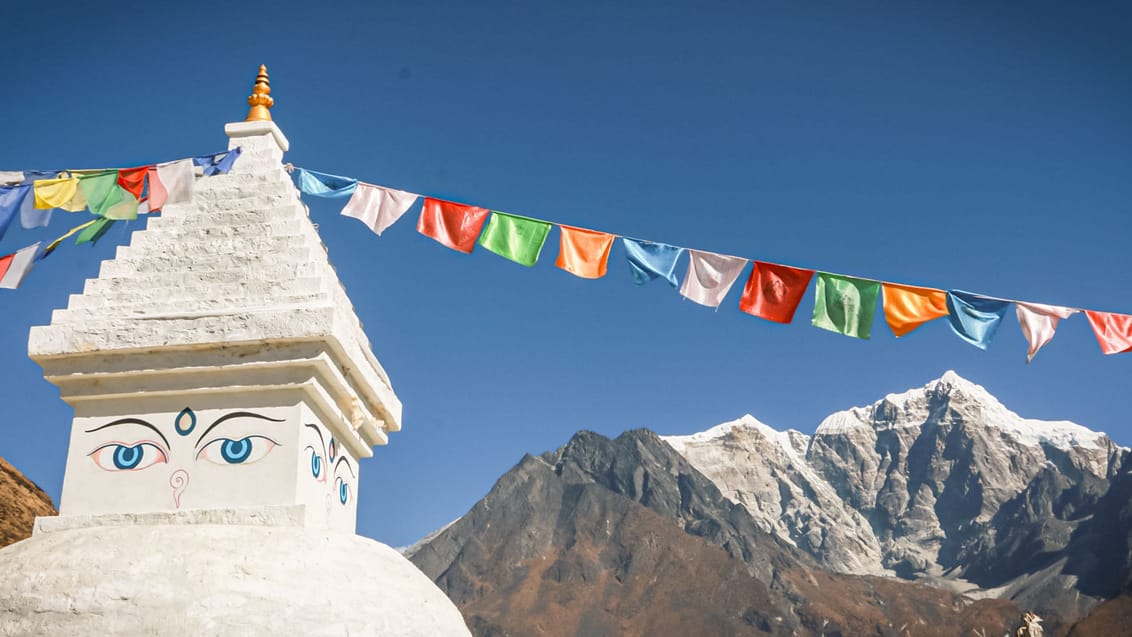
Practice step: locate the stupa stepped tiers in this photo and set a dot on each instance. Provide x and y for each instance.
(224, 392)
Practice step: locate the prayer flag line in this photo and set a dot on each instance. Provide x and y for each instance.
(844, 304)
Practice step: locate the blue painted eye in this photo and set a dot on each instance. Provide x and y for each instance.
(121, 457)
(226, 451)
(316, 464)
(127, 457)
(343, 491)
(236, 451)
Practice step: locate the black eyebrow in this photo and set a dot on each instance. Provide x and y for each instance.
(342, 459)
(132, 421)
(235, 414)
(319, 432)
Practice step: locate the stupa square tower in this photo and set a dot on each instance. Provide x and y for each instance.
(216, 361)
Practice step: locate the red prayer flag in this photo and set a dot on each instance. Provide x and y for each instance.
(5, 263)
(1114, 331)
(132, 180)
(774, 291)
(451, 224)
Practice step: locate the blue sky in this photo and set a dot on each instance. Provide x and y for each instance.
(978, 146)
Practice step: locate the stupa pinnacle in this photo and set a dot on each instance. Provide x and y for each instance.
(260, 100)
(223, 393)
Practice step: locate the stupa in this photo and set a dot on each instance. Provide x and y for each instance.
(223, 393)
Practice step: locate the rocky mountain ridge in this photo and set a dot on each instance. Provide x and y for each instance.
(625, 537)
(941, 484)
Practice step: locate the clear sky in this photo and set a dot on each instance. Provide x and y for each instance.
(979, 146)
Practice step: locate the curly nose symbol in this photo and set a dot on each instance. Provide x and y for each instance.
(179, 481)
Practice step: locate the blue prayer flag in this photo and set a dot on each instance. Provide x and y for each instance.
(324, 185)
(30, 216)
(975, 318)
(649, 260)
(217, 163)
(11, 199)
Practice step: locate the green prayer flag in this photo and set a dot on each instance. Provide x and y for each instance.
(100, 190)
(120, 205)
(517, 238)
(94, 232)
(845, 305)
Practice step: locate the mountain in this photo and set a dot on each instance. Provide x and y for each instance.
(940, 484)
(626, 537)
(20, 502)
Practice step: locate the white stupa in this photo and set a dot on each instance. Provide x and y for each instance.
(223, 393)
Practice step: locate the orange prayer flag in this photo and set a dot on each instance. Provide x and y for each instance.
(451, 224)
(582, 252)
(907, 307)
(132, 180)
(1113, 331)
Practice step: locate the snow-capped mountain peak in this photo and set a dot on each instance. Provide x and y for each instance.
(911, 485)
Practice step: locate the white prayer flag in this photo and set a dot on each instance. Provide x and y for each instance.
(11, 177)
(710, 276)
(1039, 322)
(177, 177)
(378, 207)
(14, 267)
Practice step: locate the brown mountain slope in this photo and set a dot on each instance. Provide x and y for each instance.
(1113, 617)
(20, 502)
(624, 537)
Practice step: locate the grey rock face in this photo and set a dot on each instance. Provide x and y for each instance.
(941, 483)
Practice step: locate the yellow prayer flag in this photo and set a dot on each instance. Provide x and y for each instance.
(907, 307)
(62, 192)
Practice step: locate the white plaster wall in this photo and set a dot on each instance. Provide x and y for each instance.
(180, 470)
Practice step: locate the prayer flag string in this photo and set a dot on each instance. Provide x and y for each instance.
(843, 304)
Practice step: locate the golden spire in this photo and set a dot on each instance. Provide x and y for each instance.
(260, 100)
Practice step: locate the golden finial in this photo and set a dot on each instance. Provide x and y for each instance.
(260, 100)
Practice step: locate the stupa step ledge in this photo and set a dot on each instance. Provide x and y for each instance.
(182, 261)
(166, 373)
(224, 266)
(102, 312)
(264, 204)
(195, 356)
(145, 284)
(247, 245)
(186, 232)
(131, 335)
(285, 515)
(230, 217)
(205, 229)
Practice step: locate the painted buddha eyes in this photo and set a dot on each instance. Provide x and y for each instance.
(226, 451)
(117, 456)
(343, 490)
